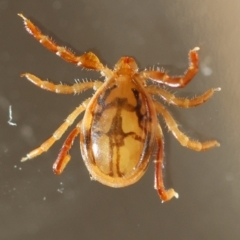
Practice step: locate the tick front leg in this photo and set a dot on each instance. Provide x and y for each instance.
(58, 133)
(63, 157)
(181, 137)
(181, 102)
(60, 88)
(87, 60)
(165, 195)
(182, 81)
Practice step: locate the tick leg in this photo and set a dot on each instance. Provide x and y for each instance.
(165, 195)
(60, 88)
(58, 133)
(63, 157)
(181, 137)
(182, 81)
(181, 102)
(87, 60)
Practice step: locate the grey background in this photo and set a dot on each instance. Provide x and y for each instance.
(36, 204)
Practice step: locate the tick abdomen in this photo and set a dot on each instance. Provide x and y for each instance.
(118, 131)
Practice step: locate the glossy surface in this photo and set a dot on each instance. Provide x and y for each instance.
(119, 129)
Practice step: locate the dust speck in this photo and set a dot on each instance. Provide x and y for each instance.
(60, 190)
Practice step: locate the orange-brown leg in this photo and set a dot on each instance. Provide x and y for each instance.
(60, 88)
(181, 102)
(58, 133)
(164, 194)
(63, 157)
(87, 60)
(182, 81)
(181, 137)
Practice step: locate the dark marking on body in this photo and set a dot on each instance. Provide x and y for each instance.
(116, 134)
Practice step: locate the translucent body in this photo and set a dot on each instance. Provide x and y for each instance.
(118, 132)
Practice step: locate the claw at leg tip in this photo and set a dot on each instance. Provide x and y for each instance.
(20, 15)
(176, 195)
(24, 159)
(196, 49)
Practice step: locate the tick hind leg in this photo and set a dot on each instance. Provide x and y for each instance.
(165, 195)
(182, 81)
(58, 133)
(181, 102)
(87, 60)
(60, 88)
(63, 157)
(181, 137)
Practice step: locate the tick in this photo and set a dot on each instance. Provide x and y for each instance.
(119, 131)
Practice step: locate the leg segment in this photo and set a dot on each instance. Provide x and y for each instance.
(181, 102)
(58, 133)
(182, 81)
(181, 137)
(63, 157)
(87, 60)
(59, 88)
(165, 195)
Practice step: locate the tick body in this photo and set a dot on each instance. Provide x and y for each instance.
(119, 131)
